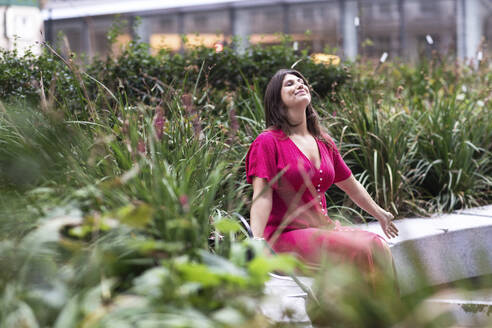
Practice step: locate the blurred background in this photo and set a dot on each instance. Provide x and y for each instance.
(401, 28)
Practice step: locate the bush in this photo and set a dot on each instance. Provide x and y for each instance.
(140, 76)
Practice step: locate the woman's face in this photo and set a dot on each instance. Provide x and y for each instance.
(294, 92)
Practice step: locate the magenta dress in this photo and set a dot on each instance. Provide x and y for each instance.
(298, 222)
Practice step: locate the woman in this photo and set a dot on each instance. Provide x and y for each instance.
(291, 165)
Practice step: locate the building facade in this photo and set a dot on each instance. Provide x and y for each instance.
(21, 25)
(401, 28)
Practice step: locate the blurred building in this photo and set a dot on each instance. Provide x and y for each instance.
(401, 28)
(21, 25)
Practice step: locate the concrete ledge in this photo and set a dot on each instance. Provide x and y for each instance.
(435, 250)
(285, 300)
(441, 249)
(468, 308)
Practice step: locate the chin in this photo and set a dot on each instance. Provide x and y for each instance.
(306, 100)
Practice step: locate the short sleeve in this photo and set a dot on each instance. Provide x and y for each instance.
(261, 160)
(342, 171)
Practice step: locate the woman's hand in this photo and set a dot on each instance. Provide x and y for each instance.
(361, 197)
(388, 227)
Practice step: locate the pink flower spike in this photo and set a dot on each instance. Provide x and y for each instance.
(159, 122)
(183, 199)
(141, 146)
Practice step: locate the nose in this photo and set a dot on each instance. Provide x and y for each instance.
(300, 86)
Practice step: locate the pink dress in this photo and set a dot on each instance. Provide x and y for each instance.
(298, 222)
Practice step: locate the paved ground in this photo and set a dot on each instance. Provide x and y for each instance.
(449, 248)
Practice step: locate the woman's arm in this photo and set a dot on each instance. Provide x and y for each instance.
(261, 207)
(359, 195)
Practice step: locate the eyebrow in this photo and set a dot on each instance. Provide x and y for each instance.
(298, 79)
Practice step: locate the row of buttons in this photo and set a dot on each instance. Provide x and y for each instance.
(319, 194)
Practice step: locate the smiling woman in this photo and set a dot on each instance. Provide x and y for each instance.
(291, 165)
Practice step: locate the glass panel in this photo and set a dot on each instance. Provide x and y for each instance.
(379, 31)
(202, 28)
(98, 30)
(379, 28)
(73, 31)
(487, 46)
(214, 22)
(163, 30)
(437, 21)
(74, 37)
(266, 23)
(316, 25)
(206, 28)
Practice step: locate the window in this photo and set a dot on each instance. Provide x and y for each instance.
(385, 8)
(307, 13)
(100, 42)
(423, 46)
(166, 23)
(376, 45)
(366, 9)
(428, 7)
(201, 21)
(74, 37)
(269, 13)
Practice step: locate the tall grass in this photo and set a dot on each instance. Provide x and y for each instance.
(376, 142)
(135, 210)
(419, 137)
(453, 146)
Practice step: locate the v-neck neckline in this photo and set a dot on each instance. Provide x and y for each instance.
(305, 156)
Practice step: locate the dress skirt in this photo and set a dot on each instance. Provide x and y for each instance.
(366, 250)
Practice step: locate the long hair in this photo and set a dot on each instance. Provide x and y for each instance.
(276, 111)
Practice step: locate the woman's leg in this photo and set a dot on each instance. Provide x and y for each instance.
(366, 250)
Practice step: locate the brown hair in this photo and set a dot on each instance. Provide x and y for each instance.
(275, 110)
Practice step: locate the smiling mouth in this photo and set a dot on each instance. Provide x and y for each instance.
(299, 92)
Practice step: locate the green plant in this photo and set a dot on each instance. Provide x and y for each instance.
(451, 145)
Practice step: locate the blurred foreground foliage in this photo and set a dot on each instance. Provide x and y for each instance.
(120, 180)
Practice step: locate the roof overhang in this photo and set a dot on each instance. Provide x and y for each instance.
(147, 7)
(74, 10)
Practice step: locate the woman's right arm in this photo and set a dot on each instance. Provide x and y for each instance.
(261, 206)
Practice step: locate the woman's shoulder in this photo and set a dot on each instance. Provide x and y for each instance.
(270, 136)
(326, 137)
(329, 143)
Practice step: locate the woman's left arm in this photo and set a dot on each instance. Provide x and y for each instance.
(359, 195)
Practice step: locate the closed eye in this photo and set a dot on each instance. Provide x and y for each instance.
(290, 82)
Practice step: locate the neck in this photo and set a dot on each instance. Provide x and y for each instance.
(297, 117)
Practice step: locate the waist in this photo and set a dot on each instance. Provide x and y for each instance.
(275, 226)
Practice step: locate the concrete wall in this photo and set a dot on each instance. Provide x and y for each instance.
(21, 27)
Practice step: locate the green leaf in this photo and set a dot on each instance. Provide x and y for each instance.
(261, 266)
(135, 216)
(227, 225)
(199, 273)
(149, 283)
(222, 265)
(23, 316)
(150, 245)
(69, 315)
(80, 231)
(229, 316)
